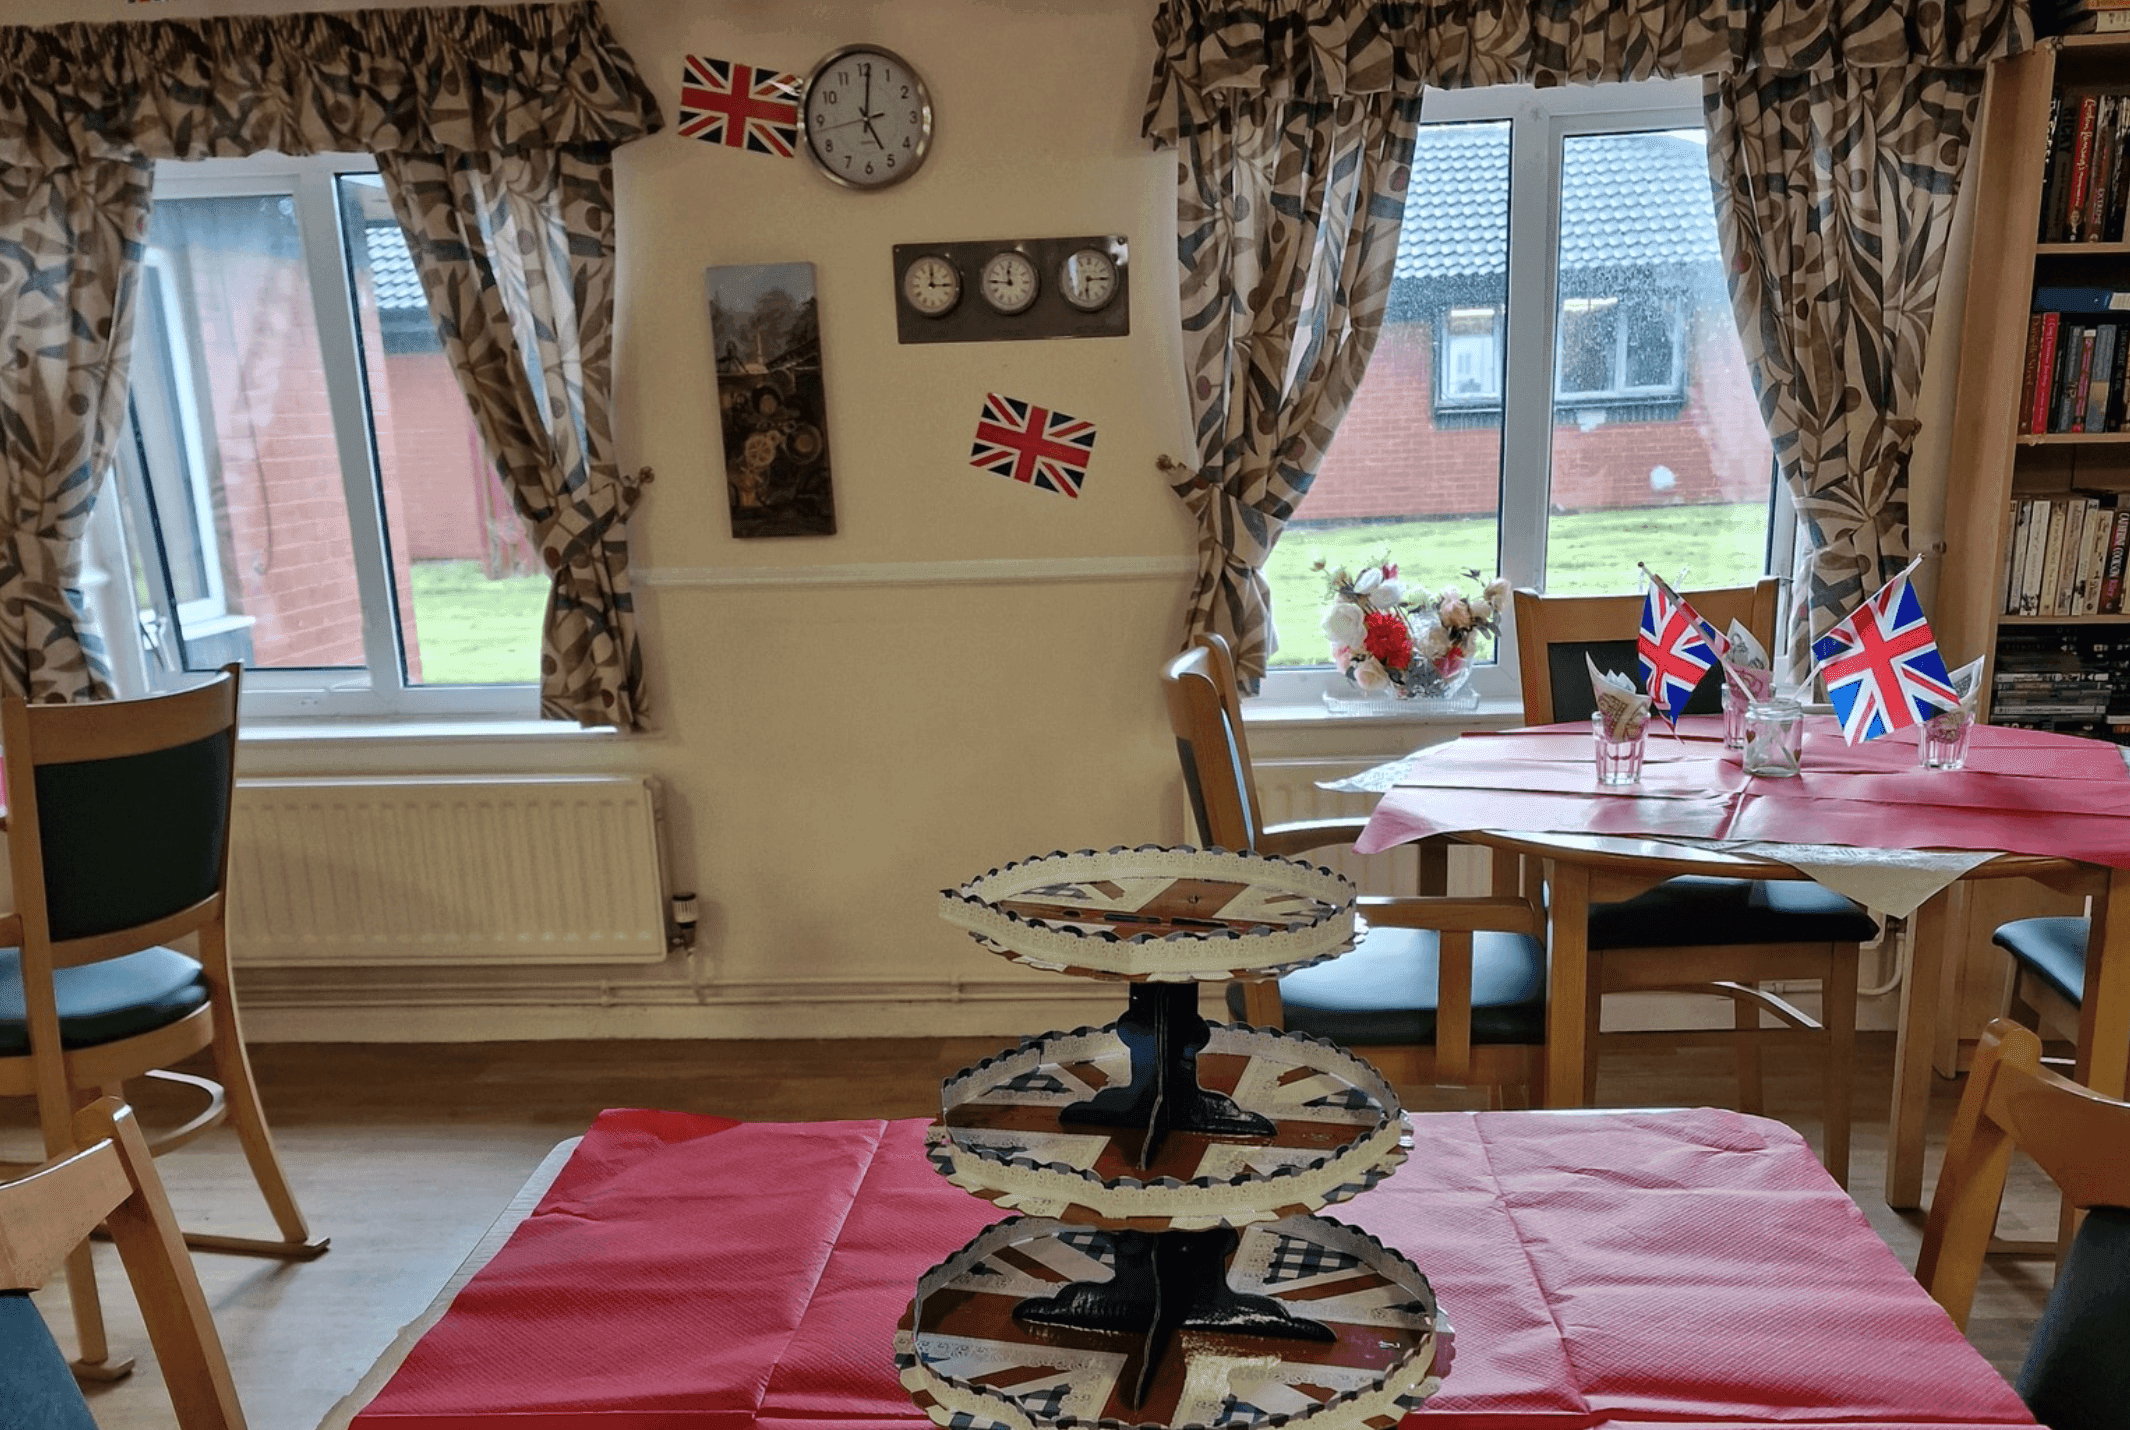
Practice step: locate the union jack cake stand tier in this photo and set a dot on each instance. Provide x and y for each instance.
(1313, 1321)
(1299, 1124)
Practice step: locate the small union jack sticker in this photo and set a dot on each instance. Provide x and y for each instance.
(739, 106)
(1032, 444)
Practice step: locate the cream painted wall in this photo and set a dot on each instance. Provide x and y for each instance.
(836, 753)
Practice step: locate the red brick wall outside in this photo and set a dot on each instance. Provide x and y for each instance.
(283, 520)
(1390, 460)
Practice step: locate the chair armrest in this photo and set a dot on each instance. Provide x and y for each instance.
(10, 930)
(1302, 835)
(1492, 915)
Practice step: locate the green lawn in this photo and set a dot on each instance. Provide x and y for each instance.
(474, 631)
(1587, 553)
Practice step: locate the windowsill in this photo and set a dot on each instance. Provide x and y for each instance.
(299, 733)
(1305, 714)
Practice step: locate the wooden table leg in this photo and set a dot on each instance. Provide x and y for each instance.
(2104, 1011)
(1567, 983)
(1923, 1003)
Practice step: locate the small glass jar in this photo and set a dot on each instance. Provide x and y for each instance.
(1735, 702)
(1774, 738)
(1944, 742)
(1619, 762)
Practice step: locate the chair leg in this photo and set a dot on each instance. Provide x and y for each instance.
(1745, 1017)
(95, 1361)
(233, 1068)
(1593, 1021)
(1837, 1015)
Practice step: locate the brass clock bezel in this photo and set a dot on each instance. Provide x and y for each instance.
(923, 147)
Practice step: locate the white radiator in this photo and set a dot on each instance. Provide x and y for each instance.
(446, 870)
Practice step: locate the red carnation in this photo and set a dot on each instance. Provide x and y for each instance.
(1390, 640)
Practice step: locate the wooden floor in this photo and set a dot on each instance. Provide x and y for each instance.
(404, 1154)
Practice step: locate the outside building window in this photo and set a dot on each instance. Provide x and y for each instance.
(303, 489)
(1558, 392)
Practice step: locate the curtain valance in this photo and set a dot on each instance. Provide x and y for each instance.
(466, 79)
(1215, 52)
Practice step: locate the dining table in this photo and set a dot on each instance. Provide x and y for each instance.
(1865, 819)
(1595, 1269)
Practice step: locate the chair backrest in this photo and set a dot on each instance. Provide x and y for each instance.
(2076, 1376)
(43, 1217)
(1205, 712)
(1554, 633)
(119, 818)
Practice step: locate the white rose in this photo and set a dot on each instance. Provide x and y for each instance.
(1368, 580)
(1387, 597)
(1497, 593)
(1479, 608)
(1370, 674)
(1453, 611)
(1344, 624)
(1434, 642)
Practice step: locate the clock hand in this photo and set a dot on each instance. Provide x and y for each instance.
(845, 124)
(874, 134)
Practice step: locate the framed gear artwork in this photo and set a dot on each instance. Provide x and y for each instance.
(771, 402)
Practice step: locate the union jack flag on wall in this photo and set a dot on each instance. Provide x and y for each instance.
(1882, 666)
(740, 106)
(1676, 646)
(1032, 444)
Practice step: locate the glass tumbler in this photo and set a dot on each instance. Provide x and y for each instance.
(1774, 738)
(1734, 708)
(1619, 762)
(1944, 742)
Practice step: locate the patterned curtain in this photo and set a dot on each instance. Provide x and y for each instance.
(69, 254)
(1307, 62)
(84, 107)
(516, 254)
(1287, 219)
(1834, 198)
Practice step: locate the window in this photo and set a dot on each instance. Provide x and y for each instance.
(1559, 391)
(302, 487)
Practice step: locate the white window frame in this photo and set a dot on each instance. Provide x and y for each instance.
(380, 690)
(1540, 123)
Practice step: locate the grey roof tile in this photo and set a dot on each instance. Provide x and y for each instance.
(392, 268)
(1626, 200)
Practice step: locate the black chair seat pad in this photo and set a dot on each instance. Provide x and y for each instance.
(1383, 992)
(1692, 910)
(103, 1002)
(37, 1391)
(2054, 949)
(2076, 1376)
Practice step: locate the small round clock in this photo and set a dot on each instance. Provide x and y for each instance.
(866, 117)
(931, 286)
(1009, 282)
(1087, 279)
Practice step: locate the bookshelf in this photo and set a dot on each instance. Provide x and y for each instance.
(1996, 466)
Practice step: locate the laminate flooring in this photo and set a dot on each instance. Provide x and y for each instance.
(403, 1154)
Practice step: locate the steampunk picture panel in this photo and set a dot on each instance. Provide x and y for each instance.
(770, 399)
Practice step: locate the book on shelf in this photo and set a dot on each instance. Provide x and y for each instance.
(2111, 581)
(2084, 183)
(2065, 556)
(2073, 374)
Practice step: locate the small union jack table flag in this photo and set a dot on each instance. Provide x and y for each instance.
(1032, 444)
(1676, 646)
(740, 106)
(1881, 664)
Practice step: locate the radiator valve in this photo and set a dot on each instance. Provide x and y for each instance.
(683, 935)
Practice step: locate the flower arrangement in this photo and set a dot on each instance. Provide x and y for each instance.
(1412, 642)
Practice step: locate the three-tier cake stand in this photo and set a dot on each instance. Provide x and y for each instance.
(1165, 1267)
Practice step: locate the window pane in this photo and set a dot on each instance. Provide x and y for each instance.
(471, 590)
(238, 440)
(1415, 471)
(1659, 454)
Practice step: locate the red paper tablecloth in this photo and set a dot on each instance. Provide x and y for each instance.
(2023, 791)
(1600, 1269)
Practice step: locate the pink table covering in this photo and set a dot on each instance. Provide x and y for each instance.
(2023, 791)
(1600, 1269)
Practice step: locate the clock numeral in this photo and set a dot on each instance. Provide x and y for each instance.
(846, 161)
(891, 161)
(868, 167)
(905, 141)
(905, 91)
(843, 76)
(913, 116)
(828, 146)
(830, 96)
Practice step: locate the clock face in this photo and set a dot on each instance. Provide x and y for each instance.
(1087, 279)
(866, 117)
(1009, 282)
(931, 286)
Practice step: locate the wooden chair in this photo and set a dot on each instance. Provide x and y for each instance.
(44, 1218)
(118, 828)
(2076, 1375)
(2049, 979)
(1719, 936)
(1439, 990)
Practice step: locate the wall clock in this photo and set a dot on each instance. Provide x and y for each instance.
(1087, 279)
(931, 286)
(866, 117)
(1009, 281)
(1013, 289)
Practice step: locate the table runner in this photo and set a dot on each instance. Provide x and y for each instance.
(2024, 791)
(1600, 1269)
